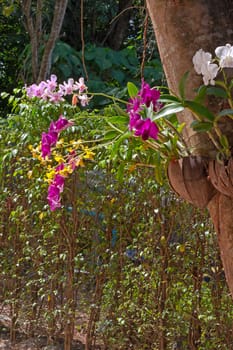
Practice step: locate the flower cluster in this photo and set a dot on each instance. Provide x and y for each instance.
(75, 151)
(48, 141)
(138, 106)
(204, 63)
(50, 138)
(56, 188)
(74, 156)
(53, 92)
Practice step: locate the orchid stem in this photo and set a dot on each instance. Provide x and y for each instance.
(107, 96)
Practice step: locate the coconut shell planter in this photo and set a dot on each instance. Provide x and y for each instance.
(188, 177)
(221, 176)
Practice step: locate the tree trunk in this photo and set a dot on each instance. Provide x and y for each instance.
(34, 29)
(41, 67)
(58, 17)
(181, 28)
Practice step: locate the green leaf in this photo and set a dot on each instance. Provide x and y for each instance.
(201, 126)
(200, 110)
(169, 110)
(119, 141)
(119, 119)
(216, 91)
(201, 93)
(103, 63)
(66, 70)
(132, 89)
(111, 134)
(182, 85)
(168, 98)
(225, 112)
(118, 75)
(5, 94)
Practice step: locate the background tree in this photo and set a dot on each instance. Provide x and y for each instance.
(182, 28)
(33, 13)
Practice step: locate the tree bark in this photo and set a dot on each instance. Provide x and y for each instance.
(41, 68)
(181, 28)
(221, 211)
(59, 13)
(34, 31)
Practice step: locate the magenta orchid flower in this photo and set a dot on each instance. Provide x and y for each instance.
(149, 96)
(59, 181)
(53, 197)
(60, 125)
(54, 191)
(146, 128)
(49, 139)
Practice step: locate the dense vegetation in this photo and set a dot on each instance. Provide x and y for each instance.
(124, 262)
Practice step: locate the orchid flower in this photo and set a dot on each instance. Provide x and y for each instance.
(225, 55)
(203, 65)
(146, 97)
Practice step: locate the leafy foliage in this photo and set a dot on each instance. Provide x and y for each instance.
(142, 264)
(12, 37)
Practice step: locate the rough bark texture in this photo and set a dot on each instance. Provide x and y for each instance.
(221, 211)
(181, 28)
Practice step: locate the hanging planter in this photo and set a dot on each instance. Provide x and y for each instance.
(188, 177)
(221, 176)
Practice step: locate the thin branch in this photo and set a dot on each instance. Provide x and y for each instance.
(124, 10)
(115, 19)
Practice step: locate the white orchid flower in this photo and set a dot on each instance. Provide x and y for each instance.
(225, 55)
(202, 65)
(200, 59)
(209, 72)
